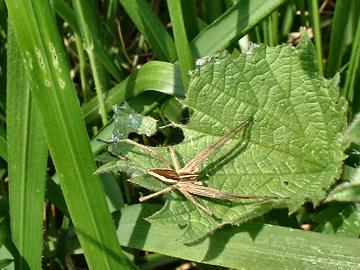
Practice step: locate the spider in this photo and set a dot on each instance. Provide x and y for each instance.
(185, 179)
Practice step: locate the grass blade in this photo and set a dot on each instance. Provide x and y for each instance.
(68, 15)
(27, 163)
(212, 9)
(183, 49)
(274, 28)
(288, 19)
(340, 20)
(250, 246)
(315, 22)
(89, 28)
(5, 262)
(149, 25)
(65, 132)
(232, 25)
(158, 76)
(190, 19)
(352, 73)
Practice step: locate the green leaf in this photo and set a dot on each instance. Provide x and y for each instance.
(142, 104)
(158, 76)
(129, 160)
(352, 133)
(126, 120)
(292, 150)
(171, 109)
(342, 219)
(252, 245)
(7, 252)
(347, 192)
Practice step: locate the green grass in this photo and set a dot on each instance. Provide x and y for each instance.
(64, 67)
(27, 164)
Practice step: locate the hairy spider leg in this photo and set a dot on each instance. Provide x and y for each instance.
(197, 188)
(180, 186)
(183, 175)
(193, 165)
(150, 150)
(174, 158)
(162, 178)
(158, 193)
(193, 200)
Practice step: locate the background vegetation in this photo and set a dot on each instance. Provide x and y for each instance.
(65, 64)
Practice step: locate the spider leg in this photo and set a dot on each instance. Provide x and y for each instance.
(150, 150)
(197, 188)
(162, 178)
(186, 176)
(195, 202)
(174, 158)
(158, 193)
(193, 164)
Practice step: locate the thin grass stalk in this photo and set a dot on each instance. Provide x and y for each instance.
(111, 13)
(265, 32)
(183, 49)
(274, 19)
(315, 22)
(82, 68)
(257, 34)
(269, 31)
(288, 20)
(339, 23)
(353, 74)
(89, 28)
